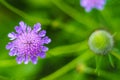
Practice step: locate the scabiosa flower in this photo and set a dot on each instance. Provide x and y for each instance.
(89, 4)
(27, 43)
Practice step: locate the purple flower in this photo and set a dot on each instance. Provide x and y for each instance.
(28, 44)
(89, 4)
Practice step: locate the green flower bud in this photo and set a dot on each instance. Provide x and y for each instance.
(101, 42)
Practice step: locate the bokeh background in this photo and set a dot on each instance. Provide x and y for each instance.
(69, 27)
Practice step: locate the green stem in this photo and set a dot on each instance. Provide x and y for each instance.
(108, 75)
(84, 57)
(115, 54)
(88, 21)
(112, 24)
(68, 49)
(7, 63)
(111, 61)
(98, 63)
(24, 15)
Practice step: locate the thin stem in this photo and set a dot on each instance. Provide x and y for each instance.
(108, 75)
(107, 17)
(7, 63)
(88, 21)
(111, 61)
(114, 34)
(77, 47)
(24, 15)
(98, 63)
(115, 54)
(84, 57)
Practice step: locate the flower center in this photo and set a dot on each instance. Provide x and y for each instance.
(28, 43)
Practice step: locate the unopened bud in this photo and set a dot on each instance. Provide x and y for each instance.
(101, 42)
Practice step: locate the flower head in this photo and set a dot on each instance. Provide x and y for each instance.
(27, 43)
(101, 42)
(89, 4)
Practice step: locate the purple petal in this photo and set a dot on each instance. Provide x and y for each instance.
(83, 3)
(18, 29)
(19, 59)
(42, 54)
(9, 45)
(42, 33)
(34, 59)
(12, 36)
(28, 29)
(37, 27)
(90, 4)
(88, 9)
(13, 52)
(99, 7)
(22, 25)
(101, 2)
(26, 60)
(46, 40)
(44, 48)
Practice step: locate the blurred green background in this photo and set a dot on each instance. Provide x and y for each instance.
(69, 27)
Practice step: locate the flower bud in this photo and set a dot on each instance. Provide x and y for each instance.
(101, 42)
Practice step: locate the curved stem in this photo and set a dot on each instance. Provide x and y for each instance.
(111, 61)
(77, 47)
(7, 63)
(108, 75)
(98, 62)
(84, 57)
(115, 54)
(87, 21)
(24, 15)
